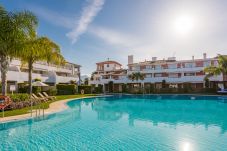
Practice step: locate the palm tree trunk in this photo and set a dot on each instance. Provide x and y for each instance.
(4, 68)
(30, 68)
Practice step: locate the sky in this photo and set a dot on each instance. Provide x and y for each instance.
(90, 31)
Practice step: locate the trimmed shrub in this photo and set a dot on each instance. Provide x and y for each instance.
(19, 97)
(52, 91)
(98, 89)
(124, 88)
(24, 88)
(63, 89)
(209, 90)
(36, 90)
(187, 87)
(110, 85)
(87, 89)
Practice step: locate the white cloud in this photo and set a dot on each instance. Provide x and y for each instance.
(113, 37)
(88, 14)
(130, 44)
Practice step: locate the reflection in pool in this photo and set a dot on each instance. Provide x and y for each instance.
(128, 122)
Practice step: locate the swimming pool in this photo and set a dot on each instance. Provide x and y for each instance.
(127, 122)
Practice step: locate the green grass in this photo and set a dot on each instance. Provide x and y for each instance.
(42, 105)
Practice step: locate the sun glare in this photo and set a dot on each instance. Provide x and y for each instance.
(184, 24)
(186, 146)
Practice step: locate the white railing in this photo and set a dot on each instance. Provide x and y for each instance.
(21, 77)
(194, 69)
(63, 79)
(182, 79)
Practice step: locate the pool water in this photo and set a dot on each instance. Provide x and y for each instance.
(127, 122)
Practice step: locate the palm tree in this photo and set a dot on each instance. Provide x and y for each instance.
(217, 70)
(13, 28)
(39, 49)
(136, 76)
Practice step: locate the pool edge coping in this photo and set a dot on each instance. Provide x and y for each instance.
(54, 107)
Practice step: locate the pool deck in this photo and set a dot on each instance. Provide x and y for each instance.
(54, 107)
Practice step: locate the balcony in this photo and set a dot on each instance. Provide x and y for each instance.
(64, 79)
(182, 79)
(192, 69)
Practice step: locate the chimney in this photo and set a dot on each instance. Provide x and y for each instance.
(130, 59)
(193, 58)
(204, 55)
(154, 58)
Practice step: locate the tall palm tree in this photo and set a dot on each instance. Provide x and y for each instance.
(39, 49)
(136, 76)
(13, 29)
(217, 70)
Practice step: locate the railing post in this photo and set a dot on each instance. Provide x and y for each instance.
(3, 114)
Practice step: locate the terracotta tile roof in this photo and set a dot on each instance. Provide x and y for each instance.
(108, 62)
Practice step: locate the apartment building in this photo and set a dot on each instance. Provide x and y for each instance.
(48, 73)
(174, 72)
(107, 71)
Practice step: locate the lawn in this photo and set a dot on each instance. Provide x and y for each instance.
(42, 105)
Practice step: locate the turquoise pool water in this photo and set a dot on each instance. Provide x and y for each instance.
(152, 122)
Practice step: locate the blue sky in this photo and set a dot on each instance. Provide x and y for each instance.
(90, 31)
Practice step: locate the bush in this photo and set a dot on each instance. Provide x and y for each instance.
(86, 88)
(187, 87)
(124, 88)
(24, 88)
(52, 91)
(19, 97)
(209, 90)
(98, 89)
(36, 90)
(63, 89)
(110, 85)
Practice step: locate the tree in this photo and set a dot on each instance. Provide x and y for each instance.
(13, 28)
(39, 49)
(217, 70)
(136, 76)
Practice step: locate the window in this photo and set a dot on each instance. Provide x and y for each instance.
(148, 67)
(173, 75)
(189, 65)
(189, 74)
(158, 74)
(172, 66)
(107, 65)
(207, 63)
(157, 67)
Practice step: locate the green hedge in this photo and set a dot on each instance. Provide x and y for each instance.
(98, 89)
(52, 91)
(87, 89)
(19, 97)
(63, 89)
(24, 88)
